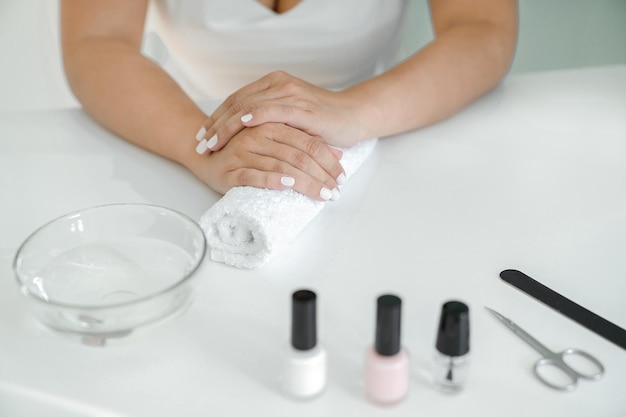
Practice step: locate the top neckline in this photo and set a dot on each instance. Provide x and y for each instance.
(270, 12)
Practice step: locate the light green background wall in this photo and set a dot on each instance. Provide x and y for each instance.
(553, 34)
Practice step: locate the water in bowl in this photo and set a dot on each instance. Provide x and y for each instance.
(111, 272)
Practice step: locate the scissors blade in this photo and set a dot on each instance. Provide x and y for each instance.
(538, 346)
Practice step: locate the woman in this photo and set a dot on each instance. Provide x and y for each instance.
(307, 76)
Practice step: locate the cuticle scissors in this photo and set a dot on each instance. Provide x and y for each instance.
(555, 359)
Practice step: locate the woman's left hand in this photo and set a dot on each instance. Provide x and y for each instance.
(282, 98)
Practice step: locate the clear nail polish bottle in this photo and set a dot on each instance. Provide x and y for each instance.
(305, 368)
(386, 362)
(452, 347)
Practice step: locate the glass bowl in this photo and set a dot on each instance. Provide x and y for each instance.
(106, 271)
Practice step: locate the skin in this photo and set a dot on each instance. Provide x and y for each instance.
(290, 123)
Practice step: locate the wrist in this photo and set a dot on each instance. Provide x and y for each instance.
(187, 143)
(364, 113)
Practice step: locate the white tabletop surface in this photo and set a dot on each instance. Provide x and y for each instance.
(532, 176)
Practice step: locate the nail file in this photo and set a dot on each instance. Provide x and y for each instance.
(565, 306)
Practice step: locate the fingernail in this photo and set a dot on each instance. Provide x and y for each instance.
(341, 179)
(200, 134)
(336, 194)
(287, 181)
(212, 142)
(326, 194)
(337, 149)
(202, 148)
(246, 118)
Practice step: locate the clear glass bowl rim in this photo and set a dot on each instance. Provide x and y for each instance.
(166, 290)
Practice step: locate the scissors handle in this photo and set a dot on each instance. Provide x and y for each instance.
(568, 375)
(597, 367)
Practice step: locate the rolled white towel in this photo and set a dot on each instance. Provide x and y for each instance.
(249, 225)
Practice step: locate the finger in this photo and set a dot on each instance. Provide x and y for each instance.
(230, 121)
(264, 154)
(214, 135)
(222, 127)
(269, 154)
(206, 137)
(289, 114)
(311, 179)
(310, 154)
(261, 179)
(255, 151)
(233, 102)
(275, 175)
(336, 151)
(225, 128)
(206, 146)
(228, 118)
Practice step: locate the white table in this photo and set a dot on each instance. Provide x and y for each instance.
(532, 176)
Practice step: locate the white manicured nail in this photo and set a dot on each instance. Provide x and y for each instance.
(287, 181)
(341, 179)
(212, 142)
(200, 134)
(336, 194)
(326, 194)
(246, 118)
(201, 148)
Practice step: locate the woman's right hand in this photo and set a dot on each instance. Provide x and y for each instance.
(274, 156)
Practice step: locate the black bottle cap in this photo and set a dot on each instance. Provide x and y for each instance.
(454, 329)
(389, 308)
(303, 322)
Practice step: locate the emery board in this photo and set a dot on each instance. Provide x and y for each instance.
(565, 306)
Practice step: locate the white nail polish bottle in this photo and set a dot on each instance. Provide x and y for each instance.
(305, 368)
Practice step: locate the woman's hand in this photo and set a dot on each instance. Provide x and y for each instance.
(282, 98)
(275, 156)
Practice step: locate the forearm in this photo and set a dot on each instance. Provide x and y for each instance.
(133, 97)
(461, 64)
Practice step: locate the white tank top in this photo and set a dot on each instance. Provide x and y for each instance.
(215, 47)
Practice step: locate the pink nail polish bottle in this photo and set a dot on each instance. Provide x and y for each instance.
(386, 362)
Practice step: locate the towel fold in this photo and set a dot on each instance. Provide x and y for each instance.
(249, 225)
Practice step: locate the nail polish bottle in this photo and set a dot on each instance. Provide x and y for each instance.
(305, 370)
(452, 347)
(386, 362)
